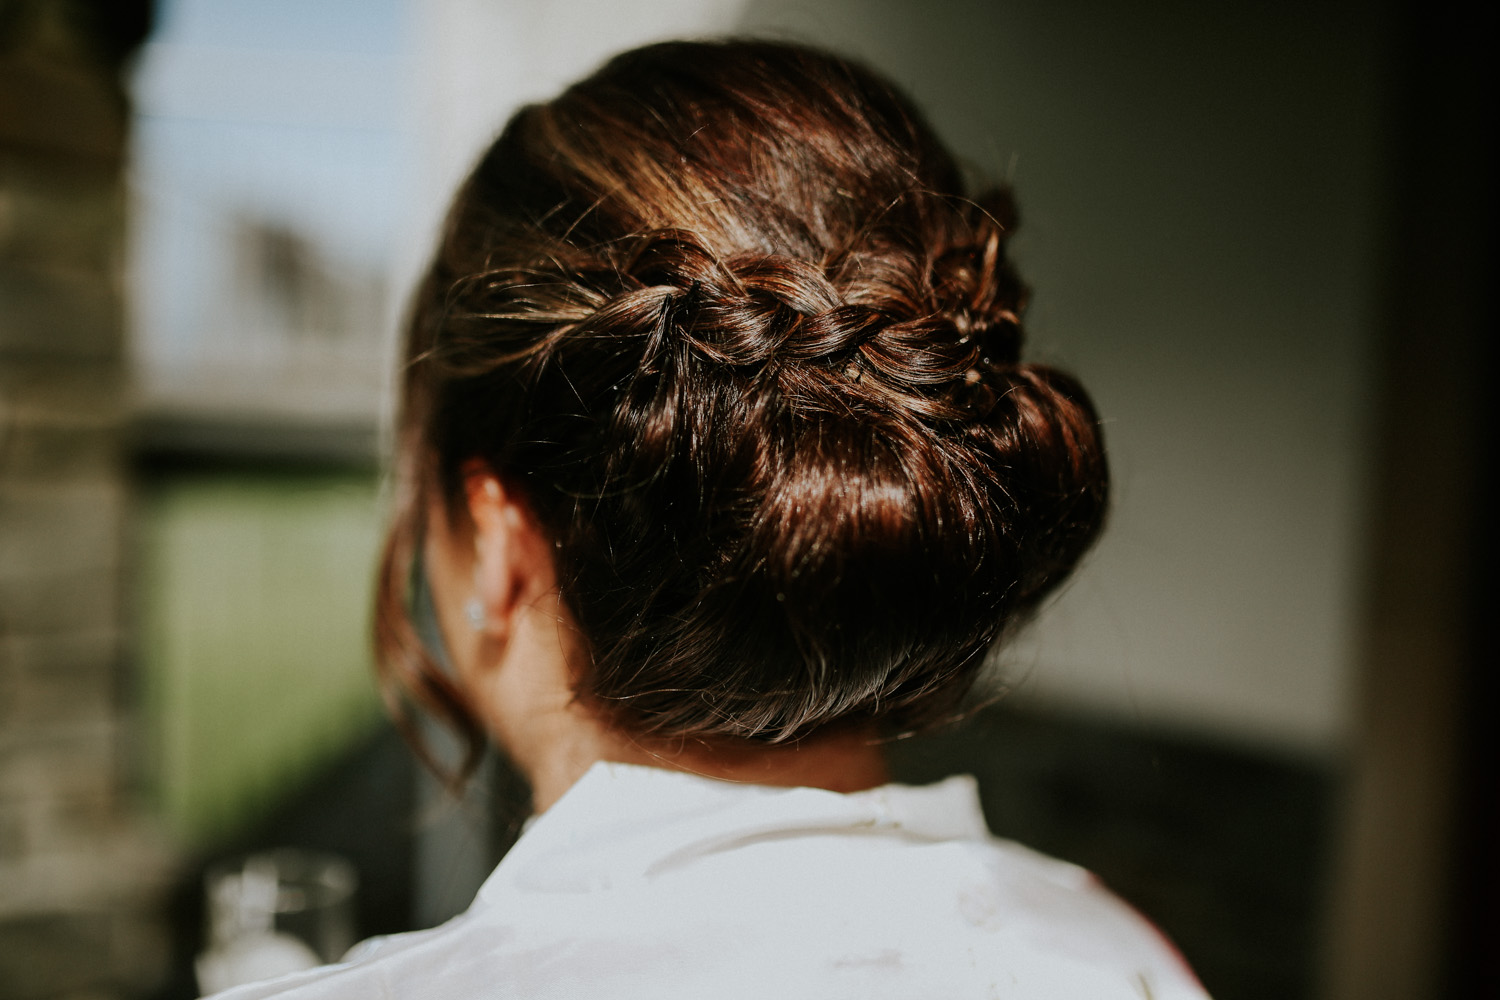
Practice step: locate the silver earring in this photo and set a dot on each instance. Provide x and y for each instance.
(474, 611)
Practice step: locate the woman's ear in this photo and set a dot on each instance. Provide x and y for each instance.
(512, 562)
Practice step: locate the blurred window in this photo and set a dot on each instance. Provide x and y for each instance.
(265, 172)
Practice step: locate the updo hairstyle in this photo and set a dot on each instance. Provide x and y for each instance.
(725, 318)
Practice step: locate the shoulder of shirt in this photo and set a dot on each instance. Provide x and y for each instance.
(1002, 911)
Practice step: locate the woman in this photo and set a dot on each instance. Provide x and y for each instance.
(720, 463)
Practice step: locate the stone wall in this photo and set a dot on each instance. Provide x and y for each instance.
(78, 877)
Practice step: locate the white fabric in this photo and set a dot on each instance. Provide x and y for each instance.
(647, 883)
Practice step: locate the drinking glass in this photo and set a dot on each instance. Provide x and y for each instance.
(274, 912)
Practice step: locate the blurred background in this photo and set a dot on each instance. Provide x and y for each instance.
(1263, 234)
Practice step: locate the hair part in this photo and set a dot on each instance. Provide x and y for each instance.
(725, 316)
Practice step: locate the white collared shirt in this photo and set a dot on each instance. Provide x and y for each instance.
(648, 883)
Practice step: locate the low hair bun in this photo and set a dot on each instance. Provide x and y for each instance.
(1048, 435)
(725, 316)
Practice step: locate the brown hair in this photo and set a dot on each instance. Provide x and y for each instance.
(724, 315)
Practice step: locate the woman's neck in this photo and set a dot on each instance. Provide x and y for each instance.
(843, 759)
(526, 696)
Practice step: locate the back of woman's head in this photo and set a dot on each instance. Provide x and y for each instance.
(724, 316)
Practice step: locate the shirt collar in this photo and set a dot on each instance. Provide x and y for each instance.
(624, 823)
